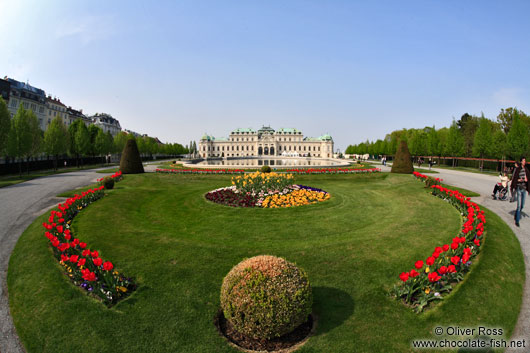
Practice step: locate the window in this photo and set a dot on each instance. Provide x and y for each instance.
(14, 103)
(26, 105)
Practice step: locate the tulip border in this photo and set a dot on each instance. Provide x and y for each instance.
(83, 266)
(429, 280)
(302, 171)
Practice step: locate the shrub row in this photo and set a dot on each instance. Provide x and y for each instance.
(85, 268)
(439, 273)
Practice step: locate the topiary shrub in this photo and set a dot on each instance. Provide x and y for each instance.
(130, 162)
(265, 297)
(402, 160)
(266, 169)
(108, 183)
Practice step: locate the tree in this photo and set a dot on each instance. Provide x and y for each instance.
(468, 124)
(506, 116)
(119, 141)
(56, 139)
(93, 131)
(5, 125)
(110, 143)
(499, 147)
(36, 137)
(433, 142)
(482, 145)
(82, 140)
(20, 140)
(517, 138)
(455, 142)
(103, 145)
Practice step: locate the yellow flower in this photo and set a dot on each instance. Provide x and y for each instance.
(428, 290)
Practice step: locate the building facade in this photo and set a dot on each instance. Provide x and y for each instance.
(266, 142)
(56, 108)
(73, 115)
(30, 97)
(107, 123)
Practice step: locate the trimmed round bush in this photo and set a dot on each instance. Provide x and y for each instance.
(266, 169)
(266, 296)
(402, 161)
(108, 183)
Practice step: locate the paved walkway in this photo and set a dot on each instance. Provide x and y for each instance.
(483, 184)
(20, 204)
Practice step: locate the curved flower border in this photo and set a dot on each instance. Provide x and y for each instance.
(83, 266)
(292, 171)
(429, 280)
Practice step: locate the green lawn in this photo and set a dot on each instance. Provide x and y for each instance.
(160, 229)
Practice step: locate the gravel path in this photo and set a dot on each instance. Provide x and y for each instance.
(20, 204)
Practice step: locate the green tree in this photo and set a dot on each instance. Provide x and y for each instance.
(93, 132)
(482, 145)
(499, 146)
(82, 140)
(20, 139)
(56, 139)
(36, 137)
(5, 125)
(517, 138)
(103, 145)
(506, 116)
(468, 124)
(119, 141)
(455, 142)
(433, 142)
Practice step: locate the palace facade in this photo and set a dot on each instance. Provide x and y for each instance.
(266, 142)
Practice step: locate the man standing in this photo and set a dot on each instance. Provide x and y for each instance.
(521, 186)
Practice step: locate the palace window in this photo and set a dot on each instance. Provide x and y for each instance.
(319, 149)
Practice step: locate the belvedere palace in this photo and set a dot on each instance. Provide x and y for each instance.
(266, 142)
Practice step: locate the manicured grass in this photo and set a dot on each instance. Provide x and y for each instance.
(463, 191)
(8, 180)
(109, 170)
(160, 229)
(425, 171)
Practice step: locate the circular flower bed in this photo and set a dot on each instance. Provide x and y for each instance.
(267, 190)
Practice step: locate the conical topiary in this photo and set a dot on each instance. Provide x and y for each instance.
(402, 160)
(130, 162)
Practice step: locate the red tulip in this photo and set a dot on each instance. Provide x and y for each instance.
(433, 277)
(74, 258)
(442, 270)
(465, 258)
(81, 262)
(404, 276)
(455, 260)
(94, 254)
(89, 276)
(85, 252)
(418, 264)
(107, 266)
(60, 229)
(445, 247)
(413, 273)
(477, 242)
(454, 246)
(64, 258)
(97, 261)
(430, 260)
(82, 246)
(451, 268)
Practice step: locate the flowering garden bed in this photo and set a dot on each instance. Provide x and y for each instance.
(267, 190)
(85, 268)
(429, 280)
(200, 171)
(291, 171)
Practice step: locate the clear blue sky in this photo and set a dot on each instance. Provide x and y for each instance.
(354, 69)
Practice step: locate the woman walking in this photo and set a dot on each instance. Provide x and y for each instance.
(521, 186)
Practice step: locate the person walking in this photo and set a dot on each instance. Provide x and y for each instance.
(512, 191)
(521, 186)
